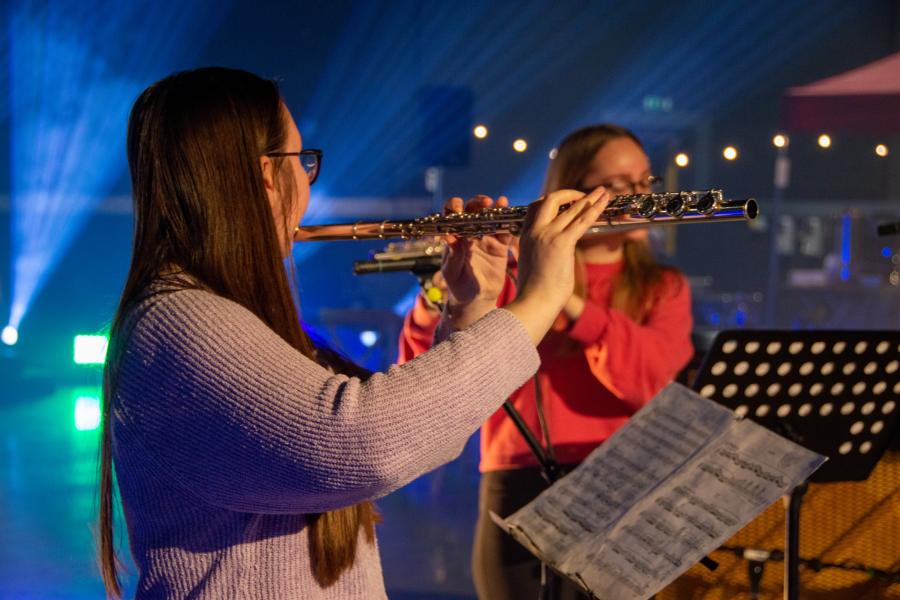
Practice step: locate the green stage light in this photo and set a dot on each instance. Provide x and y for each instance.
(90, 349)
(87, 413)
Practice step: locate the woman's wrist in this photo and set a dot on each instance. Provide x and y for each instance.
(574, 307)
(536, 315)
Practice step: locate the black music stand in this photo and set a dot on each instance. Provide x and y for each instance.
(834, 392)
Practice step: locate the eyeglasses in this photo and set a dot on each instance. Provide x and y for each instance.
(622, 187)
(310, 160)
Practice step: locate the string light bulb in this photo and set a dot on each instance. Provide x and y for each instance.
(730, 153)
(881, 150)
(682, 159)
(480, 132)
(780, 140)
(825, 141)
(520, 145)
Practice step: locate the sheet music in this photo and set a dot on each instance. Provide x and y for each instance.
(587, 502)
(670, 486)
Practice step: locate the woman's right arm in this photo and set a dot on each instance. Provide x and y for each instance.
(235, 415)
(239, 418)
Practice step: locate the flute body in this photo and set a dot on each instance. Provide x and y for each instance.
(625, 212)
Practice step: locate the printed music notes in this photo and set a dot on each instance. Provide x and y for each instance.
(672, 485)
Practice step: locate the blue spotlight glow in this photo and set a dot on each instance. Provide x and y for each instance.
(70, 92)
(368, 338)
(10, 335)
(886, 252)
(406, 302)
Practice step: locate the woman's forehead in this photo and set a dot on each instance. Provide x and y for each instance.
(620, 157)
(293, 133)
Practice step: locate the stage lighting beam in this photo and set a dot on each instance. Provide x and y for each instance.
(68, 110)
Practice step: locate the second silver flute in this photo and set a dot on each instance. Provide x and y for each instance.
(623, 211)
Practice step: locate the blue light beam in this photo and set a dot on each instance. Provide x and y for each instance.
(75, 68)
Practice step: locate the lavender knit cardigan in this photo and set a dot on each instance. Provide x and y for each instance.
(224, 436)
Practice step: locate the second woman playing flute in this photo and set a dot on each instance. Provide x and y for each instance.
(620, 337)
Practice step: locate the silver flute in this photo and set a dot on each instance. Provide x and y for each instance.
(625, 212)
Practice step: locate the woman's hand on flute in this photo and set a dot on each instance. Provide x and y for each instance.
(546, 255)
(474, 269)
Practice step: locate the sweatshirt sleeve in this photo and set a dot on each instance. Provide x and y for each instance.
(635, 360)
(417, 335)
(238, 417)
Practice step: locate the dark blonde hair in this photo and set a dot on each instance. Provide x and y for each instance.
(200, 206)
(640, 277)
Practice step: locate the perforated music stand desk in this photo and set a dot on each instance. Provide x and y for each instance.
(834, 392)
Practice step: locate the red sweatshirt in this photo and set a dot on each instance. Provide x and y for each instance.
(595, 373)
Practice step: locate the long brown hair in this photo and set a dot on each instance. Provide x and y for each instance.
(634, 288)
(201, 209)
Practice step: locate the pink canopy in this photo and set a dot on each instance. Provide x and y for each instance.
(865, 99)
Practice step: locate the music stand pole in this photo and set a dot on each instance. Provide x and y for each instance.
(792, 542)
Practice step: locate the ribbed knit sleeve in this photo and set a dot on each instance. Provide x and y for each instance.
(236, 416)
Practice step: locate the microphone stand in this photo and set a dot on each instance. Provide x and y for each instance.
(551, 472)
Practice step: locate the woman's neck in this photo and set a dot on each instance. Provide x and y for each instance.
(599, 252)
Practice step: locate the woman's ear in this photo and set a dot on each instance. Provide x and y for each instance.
(268, 175)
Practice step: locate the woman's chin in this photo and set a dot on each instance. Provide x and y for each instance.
(613, 238)
(603, 239)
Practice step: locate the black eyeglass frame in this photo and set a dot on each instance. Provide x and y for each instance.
(308, 152)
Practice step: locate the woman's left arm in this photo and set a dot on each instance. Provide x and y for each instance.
(635, 360)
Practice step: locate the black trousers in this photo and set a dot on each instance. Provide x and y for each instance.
(502, 568)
